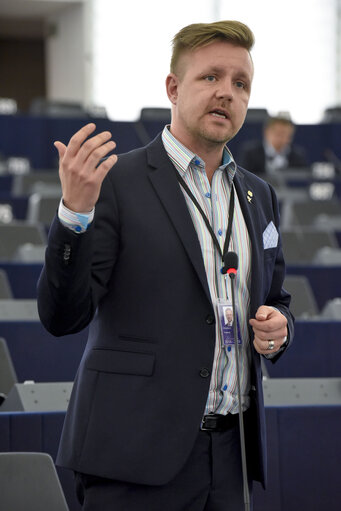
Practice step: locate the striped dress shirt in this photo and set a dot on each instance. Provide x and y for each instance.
(214, 200)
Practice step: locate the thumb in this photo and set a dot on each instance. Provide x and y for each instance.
(61, 148)
(262, 313)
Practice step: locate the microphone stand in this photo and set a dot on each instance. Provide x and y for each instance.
(232, 275)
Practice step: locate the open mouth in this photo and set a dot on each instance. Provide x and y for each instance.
(220, 114)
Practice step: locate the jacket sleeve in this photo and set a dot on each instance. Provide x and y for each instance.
(77, 268)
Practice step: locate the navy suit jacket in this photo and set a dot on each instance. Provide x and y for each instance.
(137, 276)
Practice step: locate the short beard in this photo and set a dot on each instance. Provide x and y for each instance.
(214, 140)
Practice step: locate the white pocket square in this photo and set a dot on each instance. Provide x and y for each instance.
(270, 236)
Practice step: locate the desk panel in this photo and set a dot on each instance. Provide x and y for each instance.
(315, 352)
(39, 356)
(304, 449)
(23, 278)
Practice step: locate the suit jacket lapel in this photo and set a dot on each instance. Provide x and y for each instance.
(163, 179)
(250, 209)
(248, 203)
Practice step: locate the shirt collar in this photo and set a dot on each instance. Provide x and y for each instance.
(183, 158)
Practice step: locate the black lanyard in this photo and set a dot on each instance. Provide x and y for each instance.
(208, 225)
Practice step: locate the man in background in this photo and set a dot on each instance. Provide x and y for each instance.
(276, 152)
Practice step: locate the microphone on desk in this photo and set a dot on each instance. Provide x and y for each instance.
(230, 268)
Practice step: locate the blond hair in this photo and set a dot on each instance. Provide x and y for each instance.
(202, 34)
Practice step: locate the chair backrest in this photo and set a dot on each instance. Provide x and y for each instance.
(5, 287)
(29, 482)
(328, 256)
(303, 302)
(308, 212)
(57, 108)
(19, 309)
(8, 376)
(332, 114)
(256, 115)
(155, 114)
(25, 184)
(42, 209)
(29, 253)
(18, 233)
(332, 309)
(301, 245)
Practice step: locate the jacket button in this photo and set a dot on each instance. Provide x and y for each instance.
(210, 319)
(66, 254)
(204, 372)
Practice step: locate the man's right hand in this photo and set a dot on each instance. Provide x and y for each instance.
(80, 175)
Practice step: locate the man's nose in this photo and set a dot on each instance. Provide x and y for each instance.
(225, 89)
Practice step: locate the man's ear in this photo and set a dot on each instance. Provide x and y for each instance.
(172, 83)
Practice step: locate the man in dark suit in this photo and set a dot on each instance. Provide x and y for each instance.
(276, 152)
(136, 251)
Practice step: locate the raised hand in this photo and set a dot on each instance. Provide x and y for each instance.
(80, 171)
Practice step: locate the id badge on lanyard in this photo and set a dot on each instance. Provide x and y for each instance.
(224, 309)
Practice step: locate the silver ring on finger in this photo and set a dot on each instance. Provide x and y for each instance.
(271, 345)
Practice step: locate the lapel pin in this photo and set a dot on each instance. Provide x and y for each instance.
(249, 195)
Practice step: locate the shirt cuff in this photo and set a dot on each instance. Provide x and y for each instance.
(77, 222)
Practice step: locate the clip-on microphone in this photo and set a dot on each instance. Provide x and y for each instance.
(230, 267)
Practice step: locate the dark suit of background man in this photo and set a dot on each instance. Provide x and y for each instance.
(276, 152)
(130, 253)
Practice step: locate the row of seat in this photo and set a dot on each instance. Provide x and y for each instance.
(18, 236)
(304, 304)
(24, 184)
(313, 218)
(301, 244)
(26, 241)
(38, 356)
(310, 246)
(308, 226)
(299, 204)
(15, 305)
(315, 294)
